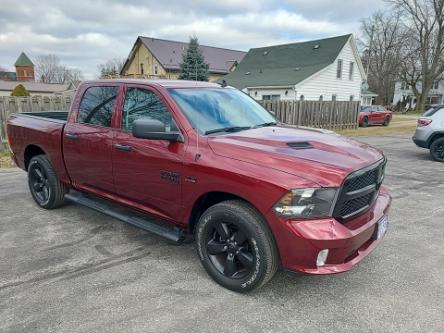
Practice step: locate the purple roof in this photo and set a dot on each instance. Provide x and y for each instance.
(169, 54)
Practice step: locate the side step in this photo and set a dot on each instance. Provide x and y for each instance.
(159, 228)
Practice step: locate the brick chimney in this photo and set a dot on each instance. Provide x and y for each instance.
(24, 68)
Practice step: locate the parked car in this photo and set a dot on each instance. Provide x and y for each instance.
(429, 132)
(207, 161)
(374, 115)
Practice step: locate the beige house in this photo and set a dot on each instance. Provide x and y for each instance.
(34, 88)
(158, 58)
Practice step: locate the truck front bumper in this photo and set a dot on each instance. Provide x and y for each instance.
(300, 241)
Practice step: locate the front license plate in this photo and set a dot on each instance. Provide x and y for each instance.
(381, 227)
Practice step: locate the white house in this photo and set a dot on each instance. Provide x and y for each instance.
(404, 94)
(326, 69)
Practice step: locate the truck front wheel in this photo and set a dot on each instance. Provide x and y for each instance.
(236, 246)
(46, 189)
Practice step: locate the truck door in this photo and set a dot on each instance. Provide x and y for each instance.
(147, 172)
(88, 138)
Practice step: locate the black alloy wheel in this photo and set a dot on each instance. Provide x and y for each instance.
(437, 150)
(236, 246)
(229, 250)
(386, 121)
(39, 183)
(46, 189)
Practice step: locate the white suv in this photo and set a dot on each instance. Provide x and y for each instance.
(430, 132)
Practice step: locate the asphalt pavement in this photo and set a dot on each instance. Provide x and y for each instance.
(75, 270)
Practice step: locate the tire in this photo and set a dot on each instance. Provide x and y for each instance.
(46, 189)
(236, 246)
(386, 121)
(365, 122)
(437, 149)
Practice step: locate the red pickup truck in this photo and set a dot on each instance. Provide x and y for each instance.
(203, 161)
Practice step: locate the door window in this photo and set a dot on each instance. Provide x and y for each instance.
(142, 103)
(97, 106)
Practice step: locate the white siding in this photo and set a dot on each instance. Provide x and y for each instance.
(257, 93)
(326, 84)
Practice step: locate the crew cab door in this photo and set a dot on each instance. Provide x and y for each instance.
(147, 172)
(88, 138)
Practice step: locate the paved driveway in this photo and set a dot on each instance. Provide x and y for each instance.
(74, 270)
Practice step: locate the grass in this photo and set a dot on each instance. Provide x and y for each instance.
(400, 124)
(5, 160)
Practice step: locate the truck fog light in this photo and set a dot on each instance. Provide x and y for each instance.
(322, 257)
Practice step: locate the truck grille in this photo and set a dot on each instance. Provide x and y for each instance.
(359, 190)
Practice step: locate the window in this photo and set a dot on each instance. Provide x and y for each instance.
(271, 97)
(301, 97)
(403, 85)
(156, 69)
(141, 69)
(97, 106)
(333, 97)
(321, 98)
(435, 84)
(352, 97)
(339, 69)
(142, 103)
(351, 70)
(214, 108)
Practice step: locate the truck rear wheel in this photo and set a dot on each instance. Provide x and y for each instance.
(236, 246)
(46, 189)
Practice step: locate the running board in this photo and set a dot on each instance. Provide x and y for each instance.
(171, 233)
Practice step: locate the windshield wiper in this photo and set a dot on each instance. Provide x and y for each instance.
(227, 129)
(266, 124)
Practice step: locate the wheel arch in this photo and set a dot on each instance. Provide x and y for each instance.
(209, 199)
(433, 137)
(31, 151)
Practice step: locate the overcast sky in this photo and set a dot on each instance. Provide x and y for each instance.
(85, 33)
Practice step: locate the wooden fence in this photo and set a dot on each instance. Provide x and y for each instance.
(329, 114)
(10, 105)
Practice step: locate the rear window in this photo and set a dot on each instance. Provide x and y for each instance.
(430, 112)
(97, 106)
(365, 108)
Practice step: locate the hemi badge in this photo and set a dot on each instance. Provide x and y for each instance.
(191, 179)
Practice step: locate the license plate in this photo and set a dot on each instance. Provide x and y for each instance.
(381, 227)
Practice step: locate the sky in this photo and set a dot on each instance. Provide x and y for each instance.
(86, 33)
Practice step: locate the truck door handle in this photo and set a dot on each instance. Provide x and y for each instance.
(72, 136)
(122, 147)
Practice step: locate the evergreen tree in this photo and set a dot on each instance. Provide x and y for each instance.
(193, 66)
(19, 91)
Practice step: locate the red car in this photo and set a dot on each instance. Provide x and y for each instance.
(198, 160)
(374, 115)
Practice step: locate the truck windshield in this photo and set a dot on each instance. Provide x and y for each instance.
(213, 110)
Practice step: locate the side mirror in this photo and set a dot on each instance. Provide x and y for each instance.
(147, 128)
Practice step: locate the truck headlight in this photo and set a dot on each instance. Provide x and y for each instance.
(307, 203)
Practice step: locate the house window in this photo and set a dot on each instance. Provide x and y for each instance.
(141, 69)
(350, 73)
(403, 85)
(352, 97)
(339, 69)
(271, 97)
(435, 84)
(156, 70)
(333, 97)
(302, 97)
(321, 98)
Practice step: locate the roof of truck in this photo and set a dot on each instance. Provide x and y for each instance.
(162, 83)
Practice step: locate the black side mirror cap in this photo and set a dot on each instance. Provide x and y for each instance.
(147, 128)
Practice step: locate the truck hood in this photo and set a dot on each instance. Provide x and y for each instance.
(324, 158)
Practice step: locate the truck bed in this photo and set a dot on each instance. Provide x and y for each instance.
(53, 115)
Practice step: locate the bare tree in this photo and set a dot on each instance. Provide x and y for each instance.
(49, 70)
(382, 38)
(111, 68)
(424, 47)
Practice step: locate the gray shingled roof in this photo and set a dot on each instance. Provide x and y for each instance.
(285, 65)
(169, 54)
